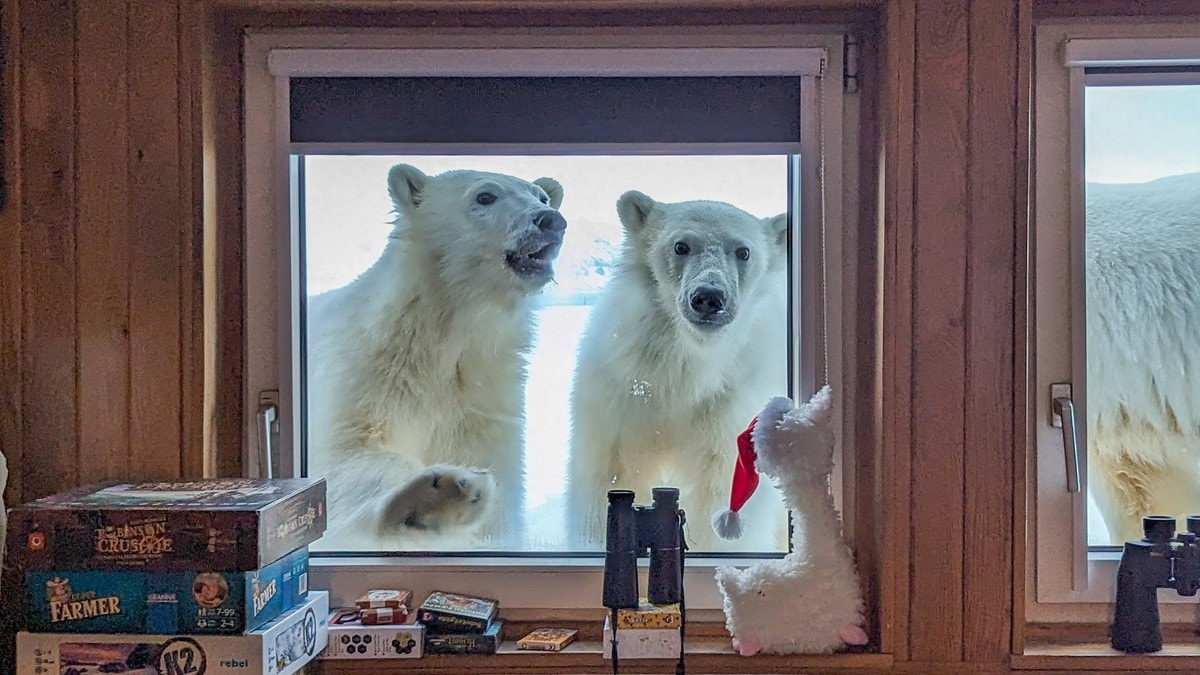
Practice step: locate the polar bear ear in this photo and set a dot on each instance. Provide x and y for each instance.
(777, 226)
(553, 189)
(405, 183)
(633, 208)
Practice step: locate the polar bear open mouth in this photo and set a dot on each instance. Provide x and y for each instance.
(534, 257)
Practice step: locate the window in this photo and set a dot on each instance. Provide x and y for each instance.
(1116, 345)
(750, 118)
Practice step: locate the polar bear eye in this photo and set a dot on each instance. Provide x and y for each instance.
(544, 199)
(485, 198)
(682, 248)
(742, 253)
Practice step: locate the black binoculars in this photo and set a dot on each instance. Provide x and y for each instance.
(1161, 559)
(634, 530)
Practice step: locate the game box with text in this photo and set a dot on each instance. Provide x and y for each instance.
(281, 647)
(218, 525)
(201, 603)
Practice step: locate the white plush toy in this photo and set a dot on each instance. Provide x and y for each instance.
(808, 601)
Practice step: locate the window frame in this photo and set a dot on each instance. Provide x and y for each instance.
(531, 585)
(1065, 582)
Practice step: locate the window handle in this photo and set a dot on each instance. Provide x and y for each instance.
(1064, 416)
(268, 431)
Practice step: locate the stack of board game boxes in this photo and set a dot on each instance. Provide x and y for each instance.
(647, 632)
(381, 625)
(168, 578)
(384, 625)
(460, 624)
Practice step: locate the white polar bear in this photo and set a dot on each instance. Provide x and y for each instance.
(686, 343)
(416, 369)
(1143, 350)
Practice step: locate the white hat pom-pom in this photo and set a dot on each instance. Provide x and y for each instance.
(727, 524)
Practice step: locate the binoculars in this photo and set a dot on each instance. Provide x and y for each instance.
(1161, 559)
(634, 531)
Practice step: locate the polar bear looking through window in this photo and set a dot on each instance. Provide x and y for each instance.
(1142, 281)
(347, 224)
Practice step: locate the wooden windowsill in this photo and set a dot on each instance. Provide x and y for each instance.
(1086, 647)
(708, 654)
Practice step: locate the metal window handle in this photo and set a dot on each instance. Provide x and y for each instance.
(268, 432)
(1064, 411)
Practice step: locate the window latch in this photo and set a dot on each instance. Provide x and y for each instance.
(268, 431)
(1062, 414)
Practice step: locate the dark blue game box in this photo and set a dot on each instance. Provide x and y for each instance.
(165, 603)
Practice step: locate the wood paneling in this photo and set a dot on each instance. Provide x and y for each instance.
(154, 211)
(994, 153)
(954, 160)
(12, 417)
(103, 211)
(49, 413)
(101, 330)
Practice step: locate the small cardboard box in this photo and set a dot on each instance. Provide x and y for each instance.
(353, 640)
(486, 642)
(547, 639)
(443, 612)
(219, 525)
(642, 643)
(165, 603)
(282, 647)
(647, 615)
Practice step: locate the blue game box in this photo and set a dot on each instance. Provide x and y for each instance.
(165, 603)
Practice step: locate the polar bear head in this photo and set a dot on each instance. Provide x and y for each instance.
(493, 230)
(705, 260)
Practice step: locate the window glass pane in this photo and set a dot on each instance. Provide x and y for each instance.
(666, 323)
(1142, 267)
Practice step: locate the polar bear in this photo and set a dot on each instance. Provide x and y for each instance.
(686, 343)
(416, 369)
(1143, 350)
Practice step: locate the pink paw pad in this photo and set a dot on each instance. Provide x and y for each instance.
(853, 635)
(747, 646)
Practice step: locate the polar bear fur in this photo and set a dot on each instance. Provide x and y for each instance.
(669, 371)
(1143, 348)
(416, 369)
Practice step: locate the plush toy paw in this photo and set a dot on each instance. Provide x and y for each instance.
(748, 646)
(853, 634)
(439, 498)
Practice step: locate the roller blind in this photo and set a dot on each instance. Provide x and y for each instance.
(487, 110)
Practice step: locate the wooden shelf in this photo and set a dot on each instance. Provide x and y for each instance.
(706, 654)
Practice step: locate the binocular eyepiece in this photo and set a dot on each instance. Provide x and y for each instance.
(656, 529)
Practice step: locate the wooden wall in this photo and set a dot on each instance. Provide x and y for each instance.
(100, 356)
(101, 275)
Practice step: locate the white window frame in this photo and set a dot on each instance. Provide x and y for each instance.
(537, 587)
(1064, 580)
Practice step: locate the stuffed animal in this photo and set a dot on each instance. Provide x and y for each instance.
(808, 601)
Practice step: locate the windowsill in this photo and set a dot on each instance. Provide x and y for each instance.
(1086, 647)
(709, 653)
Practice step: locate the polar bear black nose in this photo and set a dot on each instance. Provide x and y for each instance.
(708, 300)
(549, 220)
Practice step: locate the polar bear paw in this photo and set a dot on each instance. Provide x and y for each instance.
(440, 498)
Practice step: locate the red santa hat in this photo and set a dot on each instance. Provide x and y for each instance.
(728, 523)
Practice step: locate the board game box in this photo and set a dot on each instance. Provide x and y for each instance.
(350, 639)
(547, 639)
(281, 647)
(444, 612)
(221, 525)
(646, 615)
(642, 643)
(165, 603)
(486, 642)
